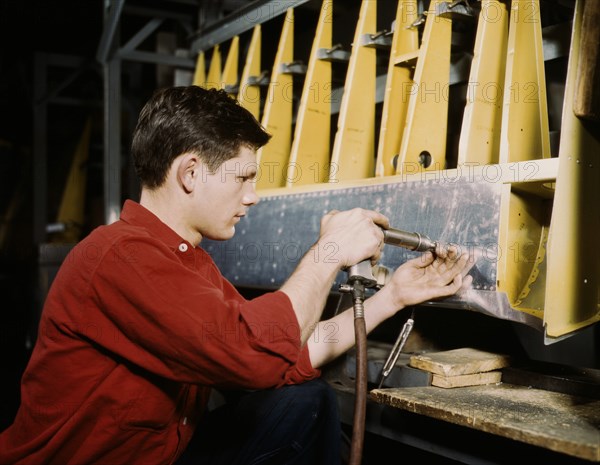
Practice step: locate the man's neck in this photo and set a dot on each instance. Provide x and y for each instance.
(169, 210)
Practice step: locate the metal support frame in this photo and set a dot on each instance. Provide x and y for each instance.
(309, 156)
(249, 92)
(114, 8)
(352, 156)
(423, 145)
(213, 79)
(480, 139)
(229, 78)
(199, 78)
(110, 54)
(393, 119)
(573, 260)
(112, 140)
(42, 98)
(277, 115)
(244, 19)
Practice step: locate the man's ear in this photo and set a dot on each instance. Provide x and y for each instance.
(188, 171)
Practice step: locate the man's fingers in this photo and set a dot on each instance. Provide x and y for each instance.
(453, 252)
(441, 250)
(424, 260)
(447, 270)
(466, 282)
(378, 218)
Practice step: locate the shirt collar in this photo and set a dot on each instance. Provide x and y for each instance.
(135, 214)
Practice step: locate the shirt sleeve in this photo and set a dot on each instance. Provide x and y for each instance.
(177, 323)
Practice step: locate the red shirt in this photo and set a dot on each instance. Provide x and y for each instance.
(137, 326)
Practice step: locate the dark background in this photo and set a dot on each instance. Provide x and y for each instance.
(28, 27)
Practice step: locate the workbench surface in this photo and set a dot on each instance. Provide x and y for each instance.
(556, 421)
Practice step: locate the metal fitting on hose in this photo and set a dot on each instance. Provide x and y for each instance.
(409, 240)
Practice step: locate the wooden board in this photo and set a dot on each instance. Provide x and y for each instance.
(462, 361)
(475, 379)
(552, 420)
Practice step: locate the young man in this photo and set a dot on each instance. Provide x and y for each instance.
(127, 349)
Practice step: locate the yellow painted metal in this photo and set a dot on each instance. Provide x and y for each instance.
(480, 133)
(573, 253)
(213, 79)
(229, 78)
(525, 133)
(423, 144)
(72, 206)
(353, 155)
(399, 78)
(309, 157)
(523, 230)
(249, 94)
(277, 114)
(200, 71)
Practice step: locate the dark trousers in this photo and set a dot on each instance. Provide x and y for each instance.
(292, 425)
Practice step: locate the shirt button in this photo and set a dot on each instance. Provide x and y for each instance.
(183, 247)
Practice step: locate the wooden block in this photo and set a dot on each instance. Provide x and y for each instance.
(455, 362)
(475, 379)
(586, 102)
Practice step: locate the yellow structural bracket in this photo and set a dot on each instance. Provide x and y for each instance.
(213, 79)
(524, 137)
(573, 252)
(278, 112)
(200, 71)
(249, 92)
(523, 230)
(399, 78)
(353, 155)
(479, 141)
(309, 157)
(525, 133)
(72, 206)
(423, 144)
(229, 78)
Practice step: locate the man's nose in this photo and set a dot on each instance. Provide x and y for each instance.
(250, 196)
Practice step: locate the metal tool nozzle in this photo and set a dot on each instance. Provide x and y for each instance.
(409, 240)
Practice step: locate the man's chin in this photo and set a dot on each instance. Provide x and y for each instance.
(221, 235)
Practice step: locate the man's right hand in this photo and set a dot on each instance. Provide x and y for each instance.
(353, 235)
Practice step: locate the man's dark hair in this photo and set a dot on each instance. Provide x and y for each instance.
(190, 119)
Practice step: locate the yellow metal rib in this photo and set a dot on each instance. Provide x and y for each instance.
(525, 134)
(72, 206)
(353, 151)
(309, 158)
(277, 115)
(249, 94)
(573, 254)
(213, 80)
(200, 71)
(229, 78)
(423, 144)
(480, 133)
(399, 79)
